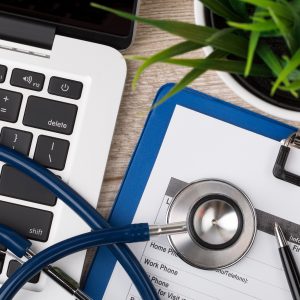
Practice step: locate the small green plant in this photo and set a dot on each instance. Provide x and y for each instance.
(242, 46)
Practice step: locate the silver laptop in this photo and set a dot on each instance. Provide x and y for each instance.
(61, 82)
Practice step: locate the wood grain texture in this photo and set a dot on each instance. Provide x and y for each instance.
(135, 105)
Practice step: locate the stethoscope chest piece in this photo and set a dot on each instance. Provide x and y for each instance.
(221, 224)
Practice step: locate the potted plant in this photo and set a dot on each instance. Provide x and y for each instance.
(255, 44)
(256, 90)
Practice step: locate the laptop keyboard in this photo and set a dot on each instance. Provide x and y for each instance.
(51, 116)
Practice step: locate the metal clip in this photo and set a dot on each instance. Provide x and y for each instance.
(279, 168)
(293, 140)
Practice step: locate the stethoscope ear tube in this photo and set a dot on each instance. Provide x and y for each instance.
(90, 215)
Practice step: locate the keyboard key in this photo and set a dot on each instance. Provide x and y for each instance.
(16, 184)
(51, 152)
(65, 88)
(14, 265)
(27, 79)
(10, 103)
(16, 139)
(3, 71)
(30, 222)
(50, 115)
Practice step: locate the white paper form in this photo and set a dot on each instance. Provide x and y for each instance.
(195, 147)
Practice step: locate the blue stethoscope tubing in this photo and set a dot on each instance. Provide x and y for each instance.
(127, 234)
(84, 210)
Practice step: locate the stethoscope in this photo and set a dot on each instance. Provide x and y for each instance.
(211, 224)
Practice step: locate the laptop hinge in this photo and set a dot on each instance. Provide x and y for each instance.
(26, 32)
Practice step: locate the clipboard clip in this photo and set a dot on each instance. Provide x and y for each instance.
(279, 168)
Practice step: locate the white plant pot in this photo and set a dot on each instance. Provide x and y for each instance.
(239, 89)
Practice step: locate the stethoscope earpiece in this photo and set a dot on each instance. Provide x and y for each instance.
(220, 224)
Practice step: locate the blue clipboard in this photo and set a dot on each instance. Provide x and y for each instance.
(145, 154)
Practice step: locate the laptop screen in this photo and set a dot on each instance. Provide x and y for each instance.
(77, 13)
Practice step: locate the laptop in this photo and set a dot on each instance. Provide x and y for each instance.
(61, 82)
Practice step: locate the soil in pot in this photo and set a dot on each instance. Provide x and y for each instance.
(260, 86)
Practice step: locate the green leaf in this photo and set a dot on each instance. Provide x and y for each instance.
(294, 76)
(289, 68)
(190, 77)
(233, 43)
(290, 89)
(226, 65)
(221, 9)
(219, 35)
(295, 4)
(274, 33)
(268, 25)
(293, 86)
(258, 19)
(261, 13)
(279, 8)
(269, 58)
(239, 7)
(260, 16)
(295, 30)
(253, 41)
(285, 30)
(185, 81)
(217, 54)
(178, 49)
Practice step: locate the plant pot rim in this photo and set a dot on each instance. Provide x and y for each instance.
(240, 90)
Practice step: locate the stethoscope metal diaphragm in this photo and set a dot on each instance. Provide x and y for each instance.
(221, 224)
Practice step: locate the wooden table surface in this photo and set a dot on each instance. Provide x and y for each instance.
(136, 104)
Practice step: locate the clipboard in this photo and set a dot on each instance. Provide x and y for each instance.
(145, 155)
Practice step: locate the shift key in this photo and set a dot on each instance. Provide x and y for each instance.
(50, 115)
(30, 222)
